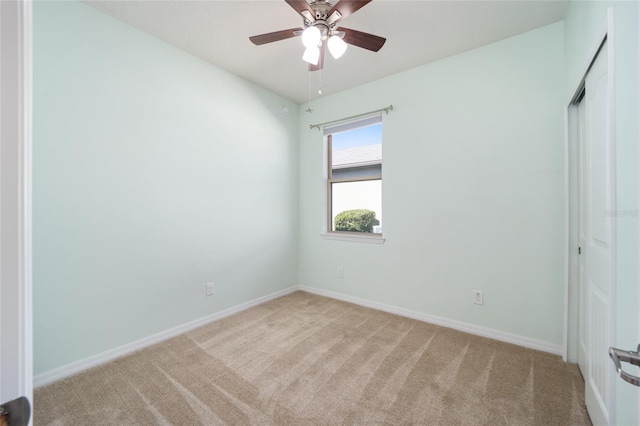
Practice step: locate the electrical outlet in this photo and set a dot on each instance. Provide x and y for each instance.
(208, 289)
(478, 297)
(340, 272)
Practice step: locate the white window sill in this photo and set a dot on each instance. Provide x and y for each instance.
(370, 239)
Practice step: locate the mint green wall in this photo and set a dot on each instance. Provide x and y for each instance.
(583, 22)
(154, 173)
(473, 189)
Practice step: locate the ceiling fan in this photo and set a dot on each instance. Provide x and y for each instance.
(321, 21)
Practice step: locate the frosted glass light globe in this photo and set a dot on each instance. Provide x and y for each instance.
(336, 46)
(311, 55)
(311, 37)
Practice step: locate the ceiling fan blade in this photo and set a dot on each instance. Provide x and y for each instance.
(301, 6)
(320, 60)
(364, 40)
(347, 7)
(275, 36)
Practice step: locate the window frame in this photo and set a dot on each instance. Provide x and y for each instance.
(330, 180)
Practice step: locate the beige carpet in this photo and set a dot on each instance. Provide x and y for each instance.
(304, 359)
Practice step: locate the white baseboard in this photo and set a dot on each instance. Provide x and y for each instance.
(95, 360)
(445, 322)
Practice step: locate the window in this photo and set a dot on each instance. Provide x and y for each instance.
(354, 176)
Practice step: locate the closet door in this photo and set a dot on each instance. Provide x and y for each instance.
(595, 210)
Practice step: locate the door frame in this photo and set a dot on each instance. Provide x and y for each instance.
(570, 340)
(16, 334)
(638, 159)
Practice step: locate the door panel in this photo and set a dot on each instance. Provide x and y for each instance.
(595, 192)
(599, 359)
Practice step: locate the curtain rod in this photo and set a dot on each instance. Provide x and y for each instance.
(387, 109)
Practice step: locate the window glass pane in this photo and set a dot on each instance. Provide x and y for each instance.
(357, 152)
(357, 195)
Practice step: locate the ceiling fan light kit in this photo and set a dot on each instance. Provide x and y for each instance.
(320, 30)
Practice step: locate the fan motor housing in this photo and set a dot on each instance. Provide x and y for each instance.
(321, 9)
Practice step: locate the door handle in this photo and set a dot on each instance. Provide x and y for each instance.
(633, 358)
(15, 413)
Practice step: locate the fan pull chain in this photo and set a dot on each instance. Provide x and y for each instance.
(309, 83)
(308, 87)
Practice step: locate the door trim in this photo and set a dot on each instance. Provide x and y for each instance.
(638, 235)
(15, 198)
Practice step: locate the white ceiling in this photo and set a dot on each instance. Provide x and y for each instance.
(417, 32)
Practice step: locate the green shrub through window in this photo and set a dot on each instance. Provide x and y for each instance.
(360, 220)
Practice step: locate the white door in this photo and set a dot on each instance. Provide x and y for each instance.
(16, 375)
(595, 206)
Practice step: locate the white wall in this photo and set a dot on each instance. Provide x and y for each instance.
(584, 20)
(472, 189)
(154, 173)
